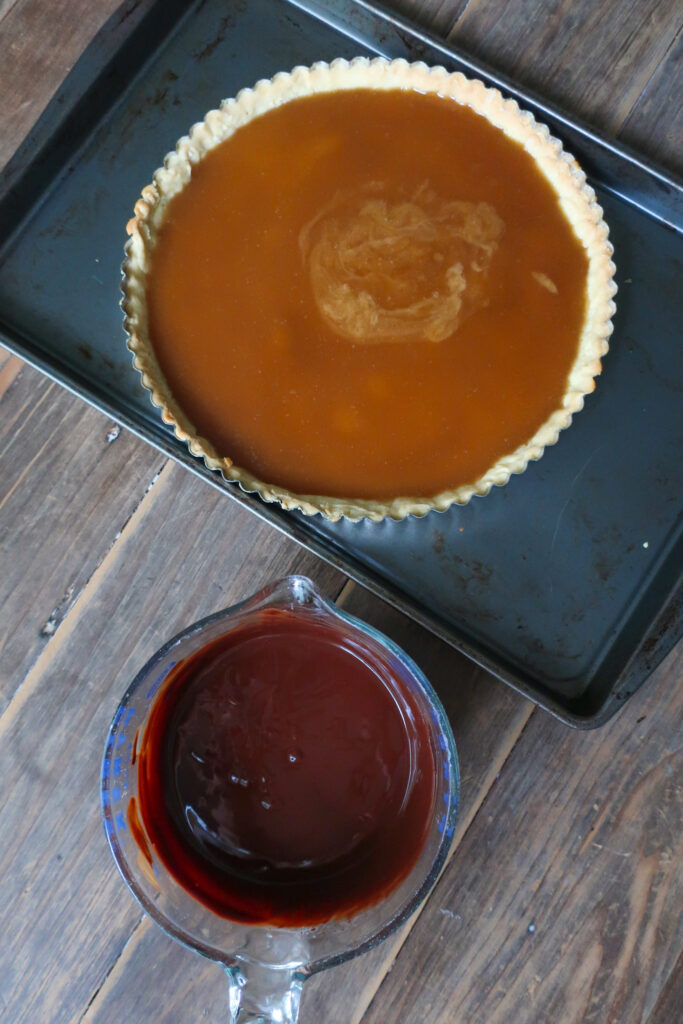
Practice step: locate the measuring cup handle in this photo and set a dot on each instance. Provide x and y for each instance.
(260, 994)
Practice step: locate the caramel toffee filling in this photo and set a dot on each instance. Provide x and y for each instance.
(367, 294)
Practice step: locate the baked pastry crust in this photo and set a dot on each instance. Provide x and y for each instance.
(575, 196)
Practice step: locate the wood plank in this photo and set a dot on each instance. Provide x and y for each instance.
(487, 719)
(655, 123)
(6, 6)
(564, 897)
(185, 552)
(69, 480)
(439, 16)
(10, 368)
(592, 59)
(40, 42)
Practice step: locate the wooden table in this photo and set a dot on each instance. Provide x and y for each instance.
(562, 899)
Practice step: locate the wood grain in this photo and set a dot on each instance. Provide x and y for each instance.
(184, 552)
(10, 368)
(40, 41)
(438, 16)
(487, 719)
(5, 7)
(69, 481)
(655, 123)
(593, 59)
(563, 900)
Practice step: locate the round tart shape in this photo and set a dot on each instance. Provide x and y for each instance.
(368, 289)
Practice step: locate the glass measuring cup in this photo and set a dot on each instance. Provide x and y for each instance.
(267, 965)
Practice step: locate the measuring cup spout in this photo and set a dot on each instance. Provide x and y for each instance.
(261, 994)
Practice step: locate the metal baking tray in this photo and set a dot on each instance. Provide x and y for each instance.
(565, 583)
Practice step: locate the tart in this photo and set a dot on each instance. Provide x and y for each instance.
(368, 289)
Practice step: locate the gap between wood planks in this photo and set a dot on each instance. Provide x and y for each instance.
(27, 469)
(55, 640)
(641, 95)
(143, 920)
(33, 409)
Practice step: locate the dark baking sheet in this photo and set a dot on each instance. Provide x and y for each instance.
(565, 583)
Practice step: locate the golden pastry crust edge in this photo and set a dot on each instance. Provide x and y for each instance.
(576, 198)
